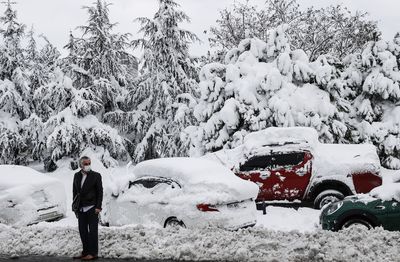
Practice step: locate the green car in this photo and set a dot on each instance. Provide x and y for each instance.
(381, 207)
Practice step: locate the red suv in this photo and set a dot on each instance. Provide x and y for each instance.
(290, 164)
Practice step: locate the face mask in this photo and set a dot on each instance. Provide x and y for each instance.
(86, 168)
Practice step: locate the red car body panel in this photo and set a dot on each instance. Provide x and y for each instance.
(365, 182)
(281, 182)
(289, 163)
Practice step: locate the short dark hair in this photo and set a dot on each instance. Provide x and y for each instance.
(83, 159)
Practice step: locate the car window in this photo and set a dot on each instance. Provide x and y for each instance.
(290, 159)
(273, 161)
(257, 162)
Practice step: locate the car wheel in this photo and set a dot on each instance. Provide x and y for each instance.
(173, 222)
(327, 197)
(357, 223)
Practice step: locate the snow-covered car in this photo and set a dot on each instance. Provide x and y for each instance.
(188, 192)
(291, 164)
(381, 207)
(28, 196)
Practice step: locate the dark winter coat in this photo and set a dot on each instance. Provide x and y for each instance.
(91, 192)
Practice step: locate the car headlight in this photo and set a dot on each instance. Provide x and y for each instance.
(332, 208)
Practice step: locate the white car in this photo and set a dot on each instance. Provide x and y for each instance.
(28, 196)
(184, 192)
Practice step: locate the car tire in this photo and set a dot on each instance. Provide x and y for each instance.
(173, 222)
(357, 222)
(326, 197)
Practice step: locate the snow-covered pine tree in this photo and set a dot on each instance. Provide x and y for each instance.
(14, 90)
(103, 55)
(72, 103)
(40, 63)
(11, 55)
(261, 84)
(161, 100)
(34, 68)
(377, 103)
(70, 123)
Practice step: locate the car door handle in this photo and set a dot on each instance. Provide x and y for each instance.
(380, 207)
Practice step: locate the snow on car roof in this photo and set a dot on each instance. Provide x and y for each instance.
(279, 136)
(13, 175)
(343, 159)
(189, 170)
(263, 141)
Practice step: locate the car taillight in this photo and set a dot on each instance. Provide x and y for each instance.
(207, 208)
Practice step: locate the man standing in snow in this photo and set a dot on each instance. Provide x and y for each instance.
(88, 197)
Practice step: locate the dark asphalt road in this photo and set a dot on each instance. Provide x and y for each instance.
(62, 259)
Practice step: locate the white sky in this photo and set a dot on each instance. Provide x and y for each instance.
(54, 18)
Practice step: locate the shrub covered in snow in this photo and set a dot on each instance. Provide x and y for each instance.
(376, 106)
(262, 84)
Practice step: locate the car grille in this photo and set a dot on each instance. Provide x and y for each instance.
(49, 216)
(45, 208)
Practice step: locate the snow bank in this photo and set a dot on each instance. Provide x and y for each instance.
(206, 244)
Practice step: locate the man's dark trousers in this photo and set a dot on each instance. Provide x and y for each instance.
(88, 229)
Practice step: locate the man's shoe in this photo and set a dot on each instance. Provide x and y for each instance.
(88, 257)
(79, 257)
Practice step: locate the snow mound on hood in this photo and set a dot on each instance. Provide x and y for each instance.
(387, 192)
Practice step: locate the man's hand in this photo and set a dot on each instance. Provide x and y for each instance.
(97, 211)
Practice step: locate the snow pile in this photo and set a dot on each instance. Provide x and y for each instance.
(342, 159)
(287, 219)
(206, 244)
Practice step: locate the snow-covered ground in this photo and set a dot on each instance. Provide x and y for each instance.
(256, 244)
(283, 234)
